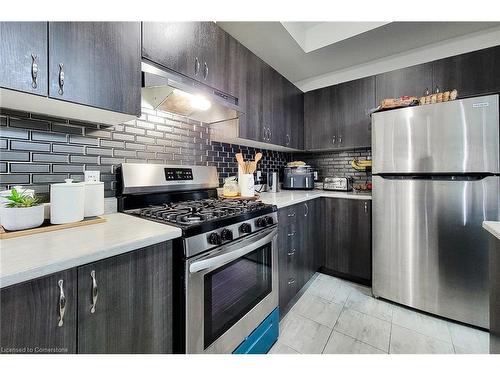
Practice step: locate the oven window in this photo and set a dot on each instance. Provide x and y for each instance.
(234, 289)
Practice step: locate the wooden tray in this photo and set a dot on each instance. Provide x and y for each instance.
(240, 198)
(47, 227)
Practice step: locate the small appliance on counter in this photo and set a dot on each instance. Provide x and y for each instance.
(273, 182)
(337, 183)
(298, 176)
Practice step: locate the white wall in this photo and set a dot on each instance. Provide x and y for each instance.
(450, 47)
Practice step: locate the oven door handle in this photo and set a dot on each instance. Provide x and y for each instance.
(232, 252)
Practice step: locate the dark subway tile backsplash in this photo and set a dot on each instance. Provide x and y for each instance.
(39, 150)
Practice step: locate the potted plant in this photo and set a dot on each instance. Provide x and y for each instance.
(21, 211)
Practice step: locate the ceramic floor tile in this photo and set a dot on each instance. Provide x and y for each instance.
(469, 340)
(421, 323)
(343, 344)
(342, 292)
(279, 348)
(361, 302)
(406, 341)
(318, 309)
(366, 328)
(304, 335)
(322, 287)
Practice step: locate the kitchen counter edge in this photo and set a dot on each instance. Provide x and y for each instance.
(286, 198)
(493, 227)
(30, 257)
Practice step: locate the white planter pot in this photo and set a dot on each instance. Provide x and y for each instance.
(19, 218)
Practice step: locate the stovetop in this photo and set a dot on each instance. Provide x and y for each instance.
(198, 216)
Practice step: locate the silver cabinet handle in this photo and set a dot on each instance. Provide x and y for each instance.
(62, 303)
(95, 292)
(426, 92)
(288, 139)
(291, 215)
(340, 139)
(205, 70)
(333, 140)
(291, 234)
(270, 134)
(366, 207)
(34, 71)
(196, 66)
(61, 79)
(291, 281)
(437, 90)
(291, 252)
(307, 209)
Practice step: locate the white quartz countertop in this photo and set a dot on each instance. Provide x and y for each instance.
(289, 197)
(30, 257)
(493, 227)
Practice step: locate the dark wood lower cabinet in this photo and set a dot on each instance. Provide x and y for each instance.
(347, 231)
(133, 311)
(30, 315)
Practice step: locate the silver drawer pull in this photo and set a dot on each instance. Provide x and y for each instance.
(95, 292)
(205, 70)
(291, 252)
(62, 303)
(291, 234)
(61, 79)
(306, 206)
(34, 71)
(291, 215)
(291, 281)
(196, 66)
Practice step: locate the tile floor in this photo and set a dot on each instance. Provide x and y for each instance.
(334, 316)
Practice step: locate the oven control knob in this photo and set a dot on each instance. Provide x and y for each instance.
(246, 228)
(261, 222)
(269, 220)
(226, 235)
(214, 239)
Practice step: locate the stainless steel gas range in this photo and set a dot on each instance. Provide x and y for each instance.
(225, 268)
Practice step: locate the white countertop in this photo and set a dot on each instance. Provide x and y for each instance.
(30, 257)
(289, 197)
(493, 227)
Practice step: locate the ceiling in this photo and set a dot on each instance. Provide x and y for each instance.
(302, 50)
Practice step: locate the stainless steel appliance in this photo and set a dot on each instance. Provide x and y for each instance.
(298, 178)
(272, 182)
(225, 264)
(337, 183)
(436, 178)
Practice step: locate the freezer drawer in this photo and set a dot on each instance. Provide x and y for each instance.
(429, 249)
(461, 136)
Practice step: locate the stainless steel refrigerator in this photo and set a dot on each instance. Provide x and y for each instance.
(436, 178)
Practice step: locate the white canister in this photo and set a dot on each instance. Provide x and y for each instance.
(94, 198)
(247, 185)
(67, 202)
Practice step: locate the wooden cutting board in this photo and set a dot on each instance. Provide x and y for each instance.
(48, 227)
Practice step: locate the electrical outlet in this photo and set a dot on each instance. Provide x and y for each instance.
(259, 176)
(92, 176)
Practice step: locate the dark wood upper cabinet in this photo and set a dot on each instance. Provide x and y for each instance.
(411, 81)
(133, 312)
(30, 315)
(347, 234)
(23, 56)
(321, 118)
(96, 64)
(473, 73)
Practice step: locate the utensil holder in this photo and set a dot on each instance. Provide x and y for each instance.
(247, 185)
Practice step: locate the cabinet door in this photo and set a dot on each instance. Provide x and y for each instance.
(321, 117)
(279, 115)
(348, 238)
(355, 98)
(23, 56)
(297, 111)
(101, 63)
(30, 315)
(411, 81)
(133, 312)
(474, 73)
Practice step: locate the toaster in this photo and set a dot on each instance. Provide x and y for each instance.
(337, 183)
(298, 178)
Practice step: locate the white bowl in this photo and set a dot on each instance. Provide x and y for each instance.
(19, 218)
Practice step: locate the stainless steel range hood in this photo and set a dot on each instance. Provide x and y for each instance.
(168, 91)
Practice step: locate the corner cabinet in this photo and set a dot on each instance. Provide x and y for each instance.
(39, 316)
(347, 239)
(96, 64)
(23, 56)
(122, 304)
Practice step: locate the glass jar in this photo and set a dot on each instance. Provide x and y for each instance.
(231, 188)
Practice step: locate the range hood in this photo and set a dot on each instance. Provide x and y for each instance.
(167, 91)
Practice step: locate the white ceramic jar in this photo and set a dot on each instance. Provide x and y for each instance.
(94, 198)
(247, 185)
(67, 202)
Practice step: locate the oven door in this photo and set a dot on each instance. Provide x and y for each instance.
(230, 291)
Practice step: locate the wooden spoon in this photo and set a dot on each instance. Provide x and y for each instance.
(258, 156)
(241, 162)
